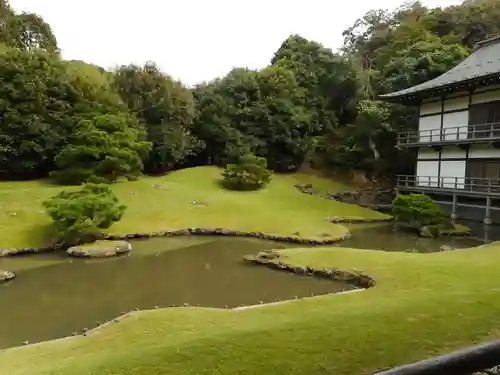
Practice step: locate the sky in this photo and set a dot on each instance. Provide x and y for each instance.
(196, 40)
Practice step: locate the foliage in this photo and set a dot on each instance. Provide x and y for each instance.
(271, 210)
(248, 173)
(102, 150)
(167, 110)
(77, 215)
(417, 210)
(25, 31)
(354, 146)
(263, 112)
(309, 105)
(42, 98)
(328, 79)
(33, 92)
(224, 118)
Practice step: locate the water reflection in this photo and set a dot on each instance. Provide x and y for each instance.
(54, 301)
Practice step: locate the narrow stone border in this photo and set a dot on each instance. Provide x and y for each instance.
(341, 220)
(120, 318)
(271, 259)
(195, 232)
(229, 232)
(293, 300)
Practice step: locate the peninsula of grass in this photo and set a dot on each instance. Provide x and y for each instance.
(189, 198)
(422, 305)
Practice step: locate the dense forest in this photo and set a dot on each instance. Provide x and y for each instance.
(78, 122)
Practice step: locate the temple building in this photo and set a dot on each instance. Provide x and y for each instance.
(458, 138)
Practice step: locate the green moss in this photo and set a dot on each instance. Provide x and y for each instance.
(412, 313)
(186, 198)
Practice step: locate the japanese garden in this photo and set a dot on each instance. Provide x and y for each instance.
(297, 219)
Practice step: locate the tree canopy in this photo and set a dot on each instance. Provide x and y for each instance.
(309, 105)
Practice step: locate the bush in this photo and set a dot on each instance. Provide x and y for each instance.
(81, 215)
(417, 210)
(249, 173)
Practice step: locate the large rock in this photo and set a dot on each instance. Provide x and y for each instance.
(100, 249)
(6, 275)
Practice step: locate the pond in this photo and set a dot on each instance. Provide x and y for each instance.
(54, 296)
(384, 237)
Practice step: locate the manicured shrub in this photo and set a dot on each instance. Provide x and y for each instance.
(417, 210)
(249, 173)
(81, 215)
(102, 150)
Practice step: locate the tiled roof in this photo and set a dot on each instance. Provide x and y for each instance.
(483, 62)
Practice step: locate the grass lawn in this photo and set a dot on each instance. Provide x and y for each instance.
(279, 209)
(422, 305)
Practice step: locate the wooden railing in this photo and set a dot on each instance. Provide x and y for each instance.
(466, 184)
(480, 359)
(460, 134)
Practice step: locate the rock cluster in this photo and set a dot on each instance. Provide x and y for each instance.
(355, 278)
(373, 198)
(6, 276)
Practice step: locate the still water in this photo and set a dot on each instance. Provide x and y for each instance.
(54, 296)
(384, 237)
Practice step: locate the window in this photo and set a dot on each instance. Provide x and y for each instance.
(482, 114)
(483, 174)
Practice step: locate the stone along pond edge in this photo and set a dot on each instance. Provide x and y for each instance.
(187, 232)
(86, 332)
(271, 259)
(356, 279)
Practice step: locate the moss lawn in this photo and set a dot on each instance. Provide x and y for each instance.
(187, 198)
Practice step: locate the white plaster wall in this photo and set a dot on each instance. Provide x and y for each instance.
(425, 153)
(432, 107)
(452, 174)
(452, 153)
(429, 128)
(455, 125)
(427, 173)
(456, 104)
(485, 97)
(478, 152)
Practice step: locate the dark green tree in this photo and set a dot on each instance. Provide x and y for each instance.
(167, 110)
(36, 112)
(25, 31)
(82, 215)
(329, 80)
(42, 98)
(103, 149)
(286, 121)
(224, 120)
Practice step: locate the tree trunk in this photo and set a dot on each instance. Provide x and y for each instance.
(373, 147)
